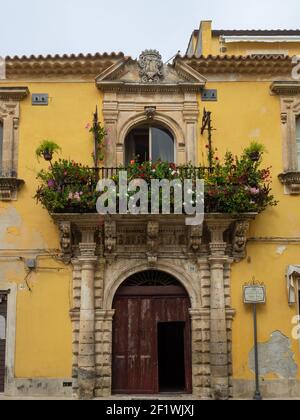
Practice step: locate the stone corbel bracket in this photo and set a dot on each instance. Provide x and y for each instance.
(65, 232)
(110, 236)
(195, 240)
(152, 242)
(240, 233)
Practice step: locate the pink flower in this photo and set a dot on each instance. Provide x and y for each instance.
(51, 183)
(88, 126)
(253, 191)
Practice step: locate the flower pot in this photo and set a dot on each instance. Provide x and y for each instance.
(48, 155)
(254, 156)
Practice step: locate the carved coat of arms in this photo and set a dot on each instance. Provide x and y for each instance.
(151, 66)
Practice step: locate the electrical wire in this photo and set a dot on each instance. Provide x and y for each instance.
(26, 280)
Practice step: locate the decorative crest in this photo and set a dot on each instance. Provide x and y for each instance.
(151, 65)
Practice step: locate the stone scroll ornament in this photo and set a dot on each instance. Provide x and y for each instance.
(110, 236)
(151, 66)
(152, 241)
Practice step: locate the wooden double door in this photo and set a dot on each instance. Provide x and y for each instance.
(151, 340)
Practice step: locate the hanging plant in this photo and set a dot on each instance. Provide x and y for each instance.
(255, 151)
(47, 149)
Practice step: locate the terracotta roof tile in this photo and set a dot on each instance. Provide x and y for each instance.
(66, 56)
(257, 32)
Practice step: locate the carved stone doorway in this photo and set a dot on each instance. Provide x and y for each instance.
(150, 307)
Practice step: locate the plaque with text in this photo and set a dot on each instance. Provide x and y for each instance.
(254, 294)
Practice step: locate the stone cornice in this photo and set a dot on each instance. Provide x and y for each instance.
(94, 219)
(292, 182)
(127, 87)
(286, 87)
(13, 93)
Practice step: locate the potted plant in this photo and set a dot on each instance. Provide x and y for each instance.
(46, 149)
(255, 151)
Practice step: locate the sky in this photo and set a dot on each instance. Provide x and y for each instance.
(88, 26)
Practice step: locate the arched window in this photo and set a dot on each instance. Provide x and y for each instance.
(149, 143)
(1, 145)
(298, 140)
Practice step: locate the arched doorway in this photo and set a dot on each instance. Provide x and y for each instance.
(151, 336)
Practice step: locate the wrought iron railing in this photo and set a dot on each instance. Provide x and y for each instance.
(186, 172)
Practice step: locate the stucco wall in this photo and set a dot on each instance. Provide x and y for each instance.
(245, 111)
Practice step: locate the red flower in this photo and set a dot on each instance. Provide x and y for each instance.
(132, 162)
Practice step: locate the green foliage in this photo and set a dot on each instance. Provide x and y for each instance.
(255, 150)
(236, 185)
(68, 187)
(99, 134)
(47, 147)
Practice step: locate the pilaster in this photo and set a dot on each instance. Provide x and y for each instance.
(218, 326)
(86, 352)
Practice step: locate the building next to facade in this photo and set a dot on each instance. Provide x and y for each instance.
(144, 304)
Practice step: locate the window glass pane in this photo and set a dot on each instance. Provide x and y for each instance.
(1, 145)
(298, 140)
(162, 145)
(137, 145)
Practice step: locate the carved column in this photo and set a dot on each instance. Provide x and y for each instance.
(86, 355)
(218, 324)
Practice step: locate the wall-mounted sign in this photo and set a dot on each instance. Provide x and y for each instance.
(254, 294)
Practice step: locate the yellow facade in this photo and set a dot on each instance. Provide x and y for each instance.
(245, 111)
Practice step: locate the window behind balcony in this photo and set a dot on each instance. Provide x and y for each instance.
(1, 145)
(298, 139)
(149, 143)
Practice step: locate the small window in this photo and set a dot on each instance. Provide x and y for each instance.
(149, 143)
(1, 146)
(298, 140)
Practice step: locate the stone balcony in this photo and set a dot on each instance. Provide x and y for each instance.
(152, 236)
